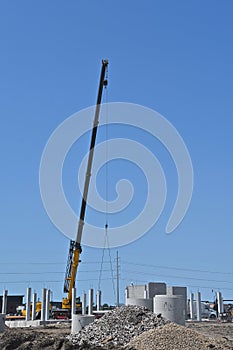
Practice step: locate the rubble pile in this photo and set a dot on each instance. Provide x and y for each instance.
(118, 327)
(173, 336)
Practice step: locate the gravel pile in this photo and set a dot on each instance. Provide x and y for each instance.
(118, 327)
(172, 336)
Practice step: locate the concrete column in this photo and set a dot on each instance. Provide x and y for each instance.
(47, 305)
(73, 306)
(28, 304)
(198, 303)
(145, 292)
(220, 302)
(4, 301)
(84, 304)
(191, 306)
(34, 297)
(98, 303)
(43, 304)
(90, 301)
(126, 294)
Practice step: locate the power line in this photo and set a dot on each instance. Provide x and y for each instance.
(55, 281)
(122, 261)
(48, 263)
(177, 268)
(190, 286)
(173, 276)
(49, 272)
(31, 263)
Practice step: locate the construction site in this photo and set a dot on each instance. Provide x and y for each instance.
(154, 315)
(159, 292)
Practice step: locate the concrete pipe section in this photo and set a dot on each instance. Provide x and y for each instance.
(171, 307)
(148, 303)
(80, 321)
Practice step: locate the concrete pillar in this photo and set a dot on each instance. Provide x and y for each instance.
(84, 304)
(145, 292)
(191, 306)
(73, 306)
(126, 293)
(28, 304)
(43, 304)
(4, 301)
(98, 303)
(47, 305)
(34, 297)
(198, 303)
(90, 301)
(220, 302)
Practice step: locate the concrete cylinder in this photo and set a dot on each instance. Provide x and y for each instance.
(4, 301)
(98, 301)
(43, 304)
(47, 305)
(80, 321)
(90, 301)
(198, 306)
(34, 297)
(148, 303)
(170, 307)
(2, 323)
(73, 306)
(220, 302)
(191, 306)
(28, 304)
(84, 304)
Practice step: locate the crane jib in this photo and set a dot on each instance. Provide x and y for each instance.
(75, 246)
(91, 152)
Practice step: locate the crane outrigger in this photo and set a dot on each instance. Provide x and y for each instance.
(75, 245)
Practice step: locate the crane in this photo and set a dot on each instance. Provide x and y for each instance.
(75, 245)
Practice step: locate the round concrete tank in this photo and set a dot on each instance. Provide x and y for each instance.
(171, 307)
(80, 321)
(148, 303)
(2, 323)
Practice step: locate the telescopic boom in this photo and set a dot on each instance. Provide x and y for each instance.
(75, 246)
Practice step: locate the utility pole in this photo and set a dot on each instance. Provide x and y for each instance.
(117, 276)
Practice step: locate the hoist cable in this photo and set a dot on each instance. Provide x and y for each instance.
(110, 259)
(106, 240)
(101, 265)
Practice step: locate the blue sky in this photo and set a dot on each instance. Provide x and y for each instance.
(172, 56)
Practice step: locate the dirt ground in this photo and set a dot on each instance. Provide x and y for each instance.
(54, 336)
(44, 337)
(213, 329)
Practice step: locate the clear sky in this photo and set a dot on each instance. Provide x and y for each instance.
(175, 57)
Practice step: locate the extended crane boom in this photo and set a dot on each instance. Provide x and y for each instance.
(75, 246)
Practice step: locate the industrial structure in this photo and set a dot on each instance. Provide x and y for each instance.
(170, 301)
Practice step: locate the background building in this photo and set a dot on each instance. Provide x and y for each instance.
(13, 301)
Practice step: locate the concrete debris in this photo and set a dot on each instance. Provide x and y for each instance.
(173, 336)
(196, 335)
(118, 327)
